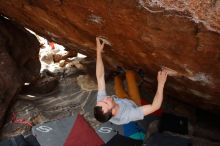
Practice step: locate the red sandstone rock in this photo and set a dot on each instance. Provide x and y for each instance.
(181, 35)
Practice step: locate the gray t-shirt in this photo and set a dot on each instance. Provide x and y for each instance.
(128, 110)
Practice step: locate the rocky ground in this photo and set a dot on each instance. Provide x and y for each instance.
(52, 98)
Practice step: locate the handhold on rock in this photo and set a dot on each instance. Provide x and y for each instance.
(104, 39)
(170, 72)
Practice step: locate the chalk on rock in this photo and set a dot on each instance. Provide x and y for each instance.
(171, 72)
(104, 39)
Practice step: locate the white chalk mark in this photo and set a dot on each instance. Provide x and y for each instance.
(201, 77)
(200, 94)
(143, 4)
(105, 40)
(170, 72)
(95, 19)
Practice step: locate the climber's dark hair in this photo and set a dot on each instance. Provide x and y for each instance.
(100, 115)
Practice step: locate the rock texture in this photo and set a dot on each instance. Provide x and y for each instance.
(19, 61)
(148, 34)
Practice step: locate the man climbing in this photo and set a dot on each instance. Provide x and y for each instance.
(122, 110)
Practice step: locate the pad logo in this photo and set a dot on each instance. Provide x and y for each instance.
(44, 129)
(105, 130)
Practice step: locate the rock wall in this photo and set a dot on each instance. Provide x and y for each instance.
(148, 34)
(19, 62)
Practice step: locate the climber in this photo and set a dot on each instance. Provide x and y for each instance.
(122, 110)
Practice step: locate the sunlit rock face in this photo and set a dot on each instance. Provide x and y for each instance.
(19, 61)
(180, 35)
